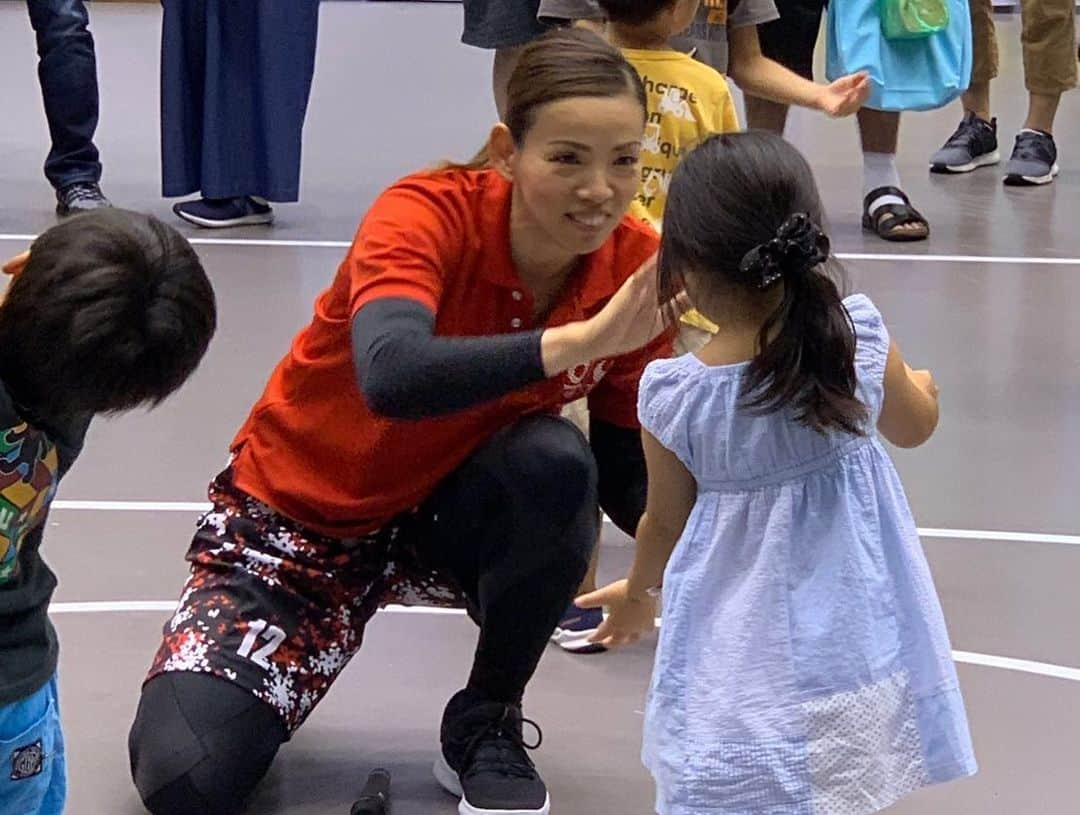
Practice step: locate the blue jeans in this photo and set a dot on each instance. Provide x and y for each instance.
(67, 70)
(33, 772)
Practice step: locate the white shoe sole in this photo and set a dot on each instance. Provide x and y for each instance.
(450, 782)
(1032, 180)
(982, 161)
(575, 641)
(247, 220)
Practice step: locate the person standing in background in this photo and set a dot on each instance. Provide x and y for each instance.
(1049, 38)
(235, 83)
(67, 71)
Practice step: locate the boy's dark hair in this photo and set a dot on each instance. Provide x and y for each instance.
(113, 310)
(633, 12)
(743, 210)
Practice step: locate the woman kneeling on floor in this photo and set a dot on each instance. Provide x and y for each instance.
(408, 449)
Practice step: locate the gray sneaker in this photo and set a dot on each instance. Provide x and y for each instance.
(82, 196)
(1033, 161)
(973, 145)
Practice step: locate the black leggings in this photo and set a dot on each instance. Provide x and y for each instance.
(515, 526)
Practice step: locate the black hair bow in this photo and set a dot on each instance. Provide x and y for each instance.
(799, 246)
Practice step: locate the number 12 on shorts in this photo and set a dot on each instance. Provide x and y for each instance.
(273, 637)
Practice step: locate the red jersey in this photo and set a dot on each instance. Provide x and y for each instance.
(313, 449)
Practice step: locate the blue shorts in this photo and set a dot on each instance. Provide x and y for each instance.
(33, 773)
(501, 23)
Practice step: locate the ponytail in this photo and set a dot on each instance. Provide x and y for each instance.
(807, 357)
(481, 161)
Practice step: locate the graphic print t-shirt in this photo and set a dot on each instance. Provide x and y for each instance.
(687, 102)
(31, 464)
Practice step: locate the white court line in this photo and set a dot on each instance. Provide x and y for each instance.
(1021, 665)
(967, 657)
(987, 535)
(134, 506)
(202, 506)
(871, 256)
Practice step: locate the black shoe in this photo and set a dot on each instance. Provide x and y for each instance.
(1033, 161)
(483, 759)
(973, 145)
(82, 196)
(220, 213)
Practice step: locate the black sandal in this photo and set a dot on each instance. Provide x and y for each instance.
(888, 220)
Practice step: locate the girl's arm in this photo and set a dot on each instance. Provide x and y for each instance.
(671, 495)
(909, 414)
(668, 501)
(760, 76)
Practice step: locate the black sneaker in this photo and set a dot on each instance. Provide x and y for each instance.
(219, 213)
(82, 196)
(1033, 160)
(483, 759)
(973, 145)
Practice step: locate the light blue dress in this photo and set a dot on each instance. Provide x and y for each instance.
(803, 666)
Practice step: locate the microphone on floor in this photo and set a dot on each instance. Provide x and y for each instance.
(375, 797)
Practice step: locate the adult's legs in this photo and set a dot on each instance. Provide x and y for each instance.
(200, 744)
(974, 143)
(269, 616)
(516, 525)
(1049, 42)
(1050, 65)
(985, 59)
(67, 70)
(236, 79)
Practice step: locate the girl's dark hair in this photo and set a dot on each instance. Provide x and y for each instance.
(564, 63)
(743, 209)
(112, 311)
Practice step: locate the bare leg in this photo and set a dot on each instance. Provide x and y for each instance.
(1042, 108)
(764, 114)
(880, 132)
(977, 100)
(505, 61)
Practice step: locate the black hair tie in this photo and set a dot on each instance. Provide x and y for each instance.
(799, 246)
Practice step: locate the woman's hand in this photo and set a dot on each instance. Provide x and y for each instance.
(629, 617)
(632, 318)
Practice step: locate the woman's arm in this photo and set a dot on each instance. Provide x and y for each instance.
(406, 372)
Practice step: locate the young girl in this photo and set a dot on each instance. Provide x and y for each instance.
(803, 666)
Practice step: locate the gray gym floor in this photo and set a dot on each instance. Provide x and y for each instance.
(988, 304)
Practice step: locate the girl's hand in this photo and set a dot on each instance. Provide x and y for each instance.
(628, 619)
(846, 95)
(14, 266)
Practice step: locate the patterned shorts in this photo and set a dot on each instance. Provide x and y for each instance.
(279, 609)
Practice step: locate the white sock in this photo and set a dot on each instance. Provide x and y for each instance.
(879, 170)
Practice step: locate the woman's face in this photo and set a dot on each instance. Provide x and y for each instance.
(575, 173)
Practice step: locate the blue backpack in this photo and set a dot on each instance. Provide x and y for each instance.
(916, 73)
